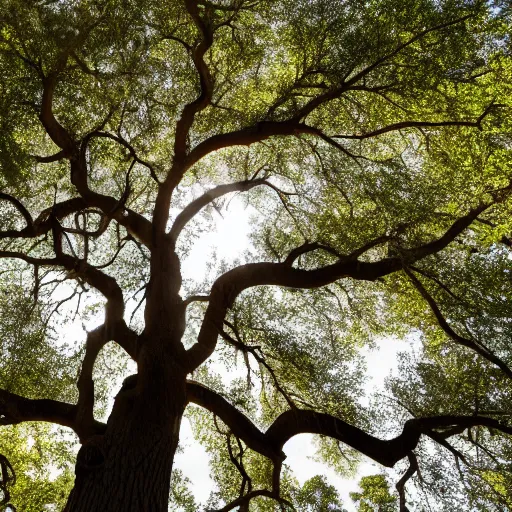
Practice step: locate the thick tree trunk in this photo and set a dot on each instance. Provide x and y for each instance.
(129, 468)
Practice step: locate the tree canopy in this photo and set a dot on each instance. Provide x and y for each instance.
(371, 142)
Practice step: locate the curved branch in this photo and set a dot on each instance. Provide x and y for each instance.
(60, 155)
(205, 79)
(114, 328)
(292, 126)
(247, 136)
(136, 224)
(198, 204)
(16, 409)
(239, 424)
(228, 286)
(300, 421)
(309, 247)
(445, 326)
(411, 124)
(55, 130)
(43, 223)
(400, 486)
(19, 206)
(123, 142)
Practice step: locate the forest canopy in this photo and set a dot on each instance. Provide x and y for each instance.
(370, 145)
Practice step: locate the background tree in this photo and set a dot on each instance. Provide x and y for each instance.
(374, 495)
(372, 141)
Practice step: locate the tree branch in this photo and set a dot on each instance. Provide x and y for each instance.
(411, 124)
(345, 86)
(55, 130)
(123, 142)
(238, 423)
(136, 224)
(43, 223)
(247, 136)
(205, 79)
(445, 326)
(195, 206)
(196, 298)
(248, 349)
(16, 409)
(228, 286)
(309, 247)
(400, 486)
(299, 421)
(19, 206)
(115, 325)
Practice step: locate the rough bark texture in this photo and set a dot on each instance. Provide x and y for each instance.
(129, 467)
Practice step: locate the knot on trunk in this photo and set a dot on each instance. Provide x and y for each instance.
(91, 455)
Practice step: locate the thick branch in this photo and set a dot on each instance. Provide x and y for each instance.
(292, 126)
(228, 286)
(43, 223)
(300, 421)
(387, 453)
(205, 80)
(137, 225)
(114, 328)
(238, 423)
(96, 339)
(247, 136)
(16, 409)
(55, 130)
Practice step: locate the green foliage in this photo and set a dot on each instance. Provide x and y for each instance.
(125, 68)
(32, 365)
(181, 498)
(43, 460)
(316, 495)
(374, 495)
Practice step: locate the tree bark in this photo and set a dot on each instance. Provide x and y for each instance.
(129, 467)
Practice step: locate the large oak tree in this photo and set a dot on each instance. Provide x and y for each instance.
(372, 142)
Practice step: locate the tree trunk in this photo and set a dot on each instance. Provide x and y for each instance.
(129, 468)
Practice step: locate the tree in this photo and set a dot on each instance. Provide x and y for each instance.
(373, 141)
(375, 495)
(317, 494)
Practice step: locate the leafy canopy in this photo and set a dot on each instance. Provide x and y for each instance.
(371, 143)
